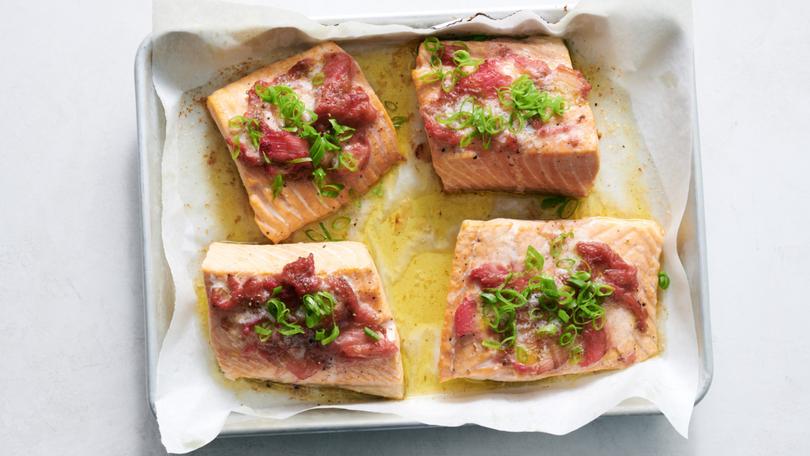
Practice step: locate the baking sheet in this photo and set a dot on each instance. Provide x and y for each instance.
(686, 79)
(159, 293)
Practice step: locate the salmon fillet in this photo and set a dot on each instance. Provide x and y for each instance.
(373, 143)
(494, 257)
(557, 156)
(244, 285)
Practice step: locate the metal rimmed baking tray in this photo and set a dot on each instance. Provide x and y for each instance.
(159, 293)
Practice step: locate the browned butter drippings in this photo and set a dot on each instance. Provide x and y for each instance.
(410, 225)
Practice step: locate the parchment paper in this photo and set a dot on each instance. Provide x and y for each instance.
(198, 44)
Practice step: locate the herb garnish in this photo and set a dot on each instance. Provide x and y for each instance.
(318, 306)
(465, 64)
(324, 188)
(481, 120)
(326, 339)
(250, 126)
(280, 313)
(298, 119)
(663, 280)
(371, 333)
(556, 244)
(398, 121)
(278, 184)
(563, 311)
(565, 205)
(340, 224)
(526, 101)
(534, 260)
(264, 332)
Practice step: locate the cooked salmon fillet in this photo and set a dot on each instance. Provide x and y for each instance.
(245, 283)
(328, 82)
(608, 267)
(557, 156)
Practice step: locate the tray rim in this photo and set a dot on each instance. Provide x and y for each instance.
(144, 88)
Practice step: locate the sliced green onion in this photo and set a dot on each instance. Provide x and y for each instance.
(552, 201)
(318, 306)
(566, 263)
(562, 311)
(465, 64)
(565, 206)
(535, 313)
(290, 329)
(278, 185)
(371, 333)
(263, 332)
(462, 58)
(587, 293)
(280, 312)
(320, 146)
(432, 44)
(491, 344)
(568, 209)
(566, 297)
(326, 339)
(390, 105)
(663, 280)
(326, 234)
(566, 338)
(603, 290)
(341, 223)
(298, 119)
(346, 160)
(534, 260)
(508, 341)
(314, 236)
(526, 101)
(556, 244)
(481, 120)
(342, 132)
(579, 279)
(322, 187)
(250, 126)
(398, 121)
(549, 329)
(235, 149)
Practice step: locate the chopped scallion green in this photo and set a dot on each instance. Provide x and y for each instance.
(663, 280)
(371, 333)
(534, 260)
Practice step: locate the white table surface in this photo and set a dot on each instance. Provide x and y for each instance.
(71, 335)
